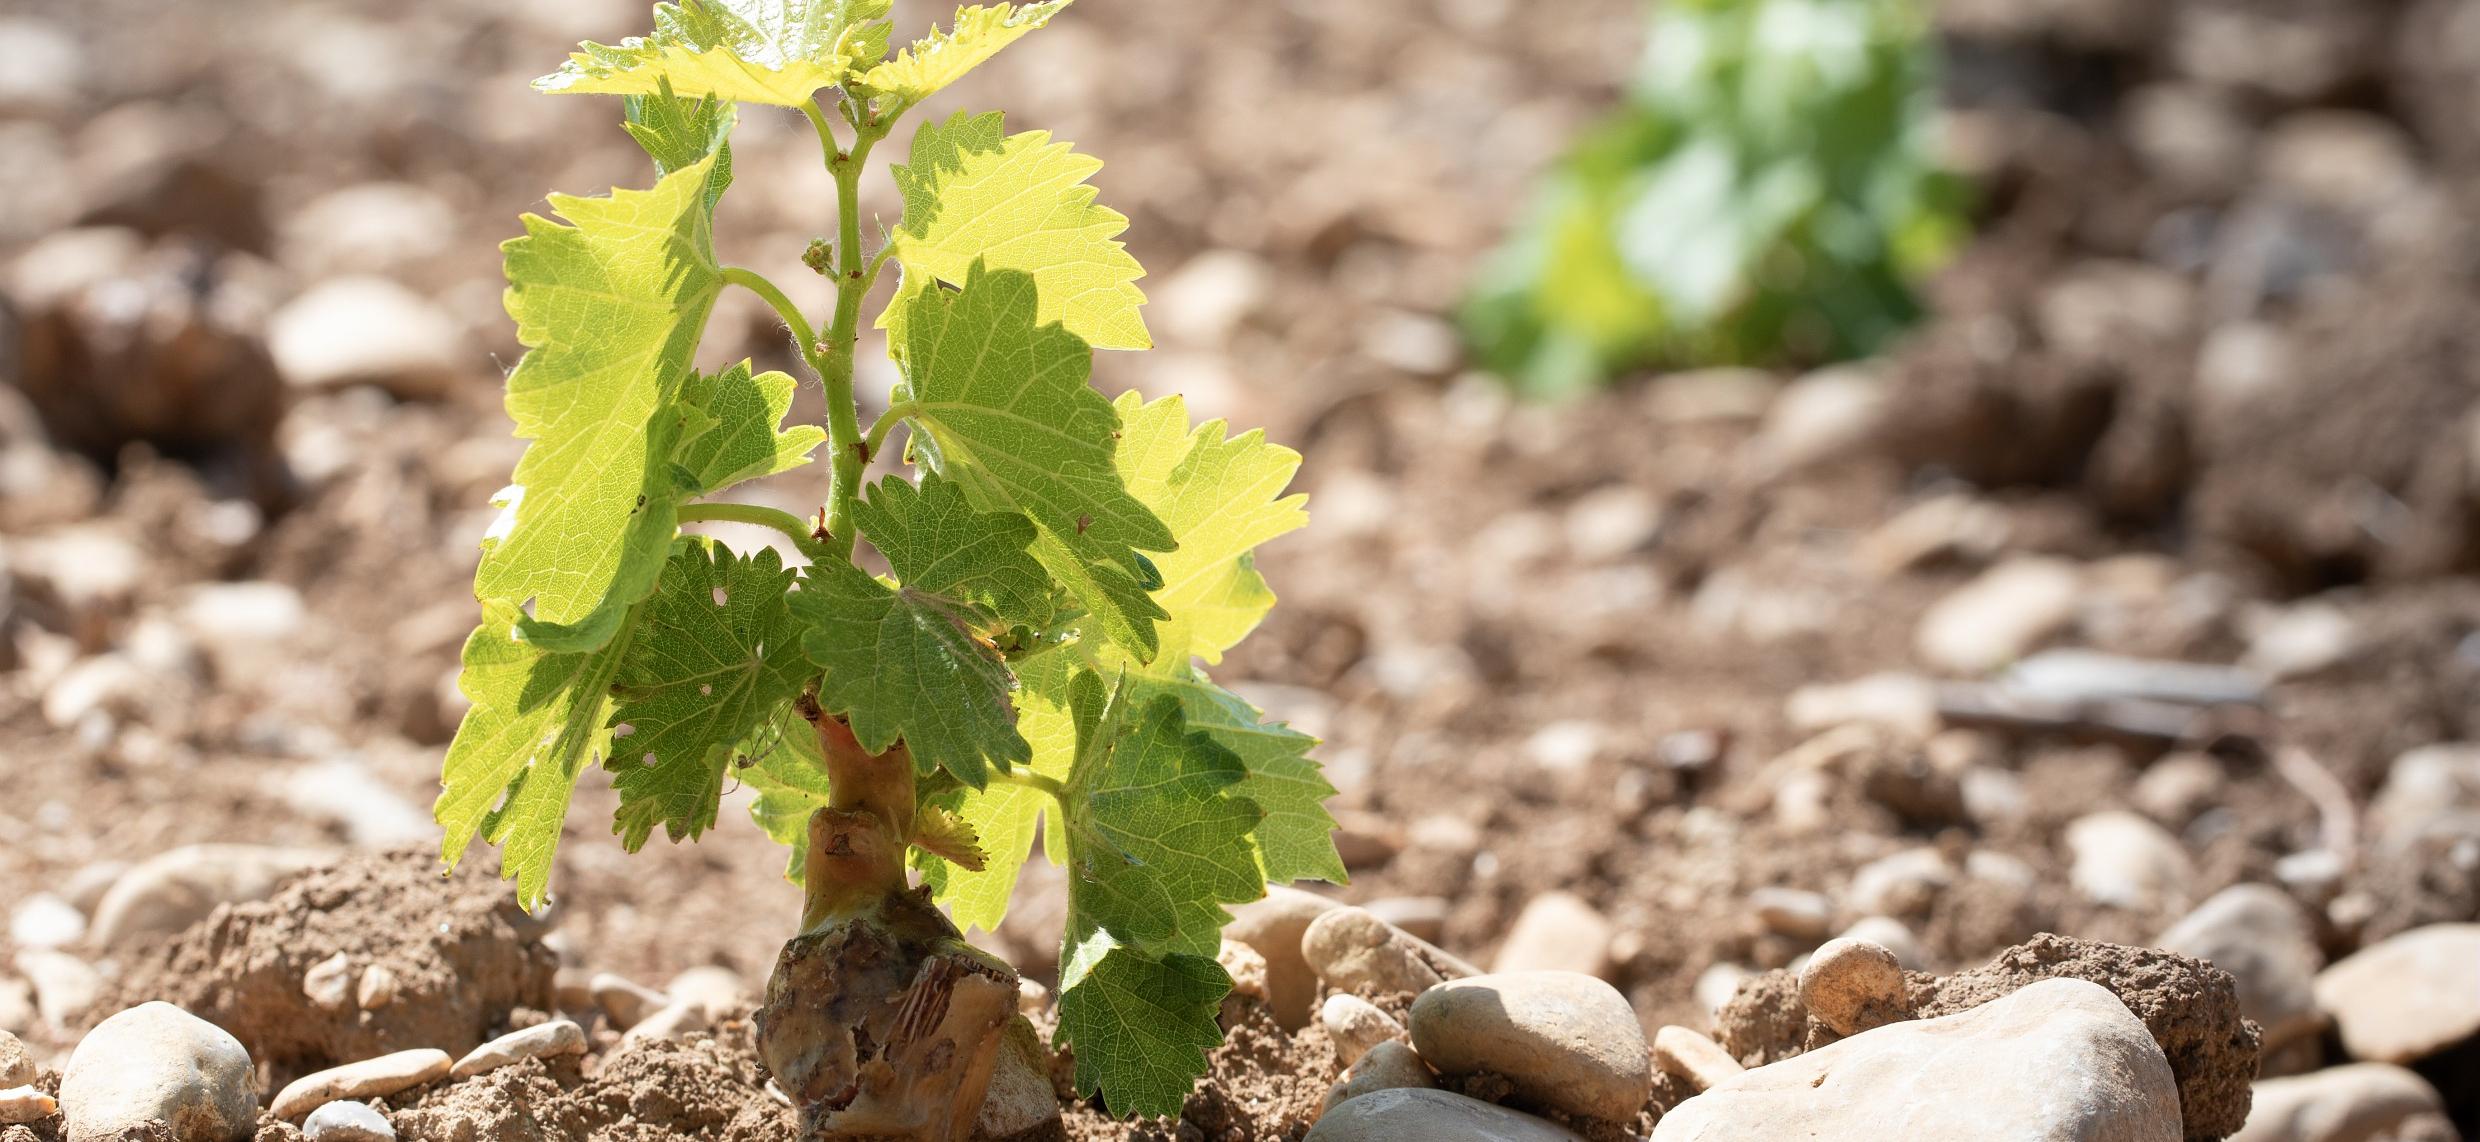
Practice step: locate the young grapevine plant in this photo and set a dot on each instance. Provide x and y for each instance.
(1056, 568)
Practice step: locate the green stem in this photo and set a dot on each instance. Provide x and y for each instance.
(1031, 780)
(757, 283)
(877, 439)
(846, 448)
(783, 521)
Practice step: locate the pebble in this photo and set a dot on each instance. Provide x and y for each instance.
(366, 330)
(1020, 1104)
(673, 1023)
(2350, 1103)
(156, 1061)
(1356, 1025)
(376, 227)
(46, 921)
(347, 1121)
(1273, 927)
(1904, 703)
(2422, 786)
(1692, 1058)
(24, 1104)
(1792, 912)
(16, 1062)
(173, 890)
(329, 982)
(1904, 884)
(1391, 1065)
(541, 1041)
(107, 683)
(1557, 931)
(625, 1001)
(2058, 1060)
(2126, 861)
(377, 989)
(1853, 986)
(711, 988)
(1717, 984)
(2000, 616)
(1353, 951)
(1822, 417)
(2265, 941)
(370, 1078)
(1246, 968)
(1431, 1116)
(1566, 1041)
(64, 986)
(2407, 997)
(1204, 301)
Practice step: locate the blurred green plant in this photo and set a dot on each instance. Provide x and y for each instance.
(1767, 195)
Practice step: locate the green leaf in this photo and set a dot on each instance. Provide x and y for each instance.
(715, 656)
(1156, 843)
(789, 773)
(536, 721)
(747, 442)
(755, 51)
(936, 541)
(1221, 498)
(610, 309)
(1296, 840)
(1004, 409)
(1140, 1026)
(914, 661)
(677, 132)
(944, 57)
(1020, 202)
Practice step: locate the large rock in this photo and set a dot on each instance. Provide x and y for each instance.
(156, 1061)
(2351, 1103)
(2408, 997)
(2191, 1008)
(2061, 1059)
(1355, 951)
(1567, 1042)
(2261, 937)
(1404, 1115)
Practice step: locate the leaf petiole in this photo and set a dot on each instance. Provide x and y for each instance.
(1031, 780)
(786, 522)
(802, 334)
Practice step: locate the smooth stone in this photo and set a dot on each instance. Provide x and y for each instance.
(2126, 861)
(1352, 950)
(366, 330)
(2263, 938)
(64, 985)
(1566, 1041)
(370, 1078)
(20, 1105)
(1793, 912)
(156, 1061)
(1821, 418)
(1391, 1065)
(2000, 616)
(2350, 1103)
(1557, 931)
(329, 982)
(1891, 934)
(1356, 1025)
(1425, 917)
(1246, 968)
(347, 1121)
(377, 989)
(2407, 997)
(1020, 1104)
(715, 990)
(1853, 986)
(625, 1001)
(541, 1041)
(2061, 1060)
(175, 889)
(1273, 928)
(46, 921)
(1902, 884)
(673, 1023)
(1692, 1058)
(1402, 1115)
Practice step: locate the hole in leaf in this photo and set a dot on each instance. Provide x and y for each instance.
(722, 596)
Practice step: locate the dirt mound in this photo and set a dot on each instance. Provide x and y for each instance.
(2190, 1006)
(1262, 1085)
(374, 955)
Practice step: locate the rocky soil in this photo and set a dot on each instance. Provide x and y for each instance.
(2081, 701)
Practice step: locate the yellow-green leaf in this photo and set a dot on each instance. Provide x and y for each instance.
(944, 57)
(754, 51)
(1221, 498)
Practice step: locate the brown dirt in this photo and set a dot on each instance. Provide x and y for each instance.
(459, 964)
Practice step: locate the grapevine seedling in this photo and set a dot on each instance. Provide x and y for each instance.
(1059, 568)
